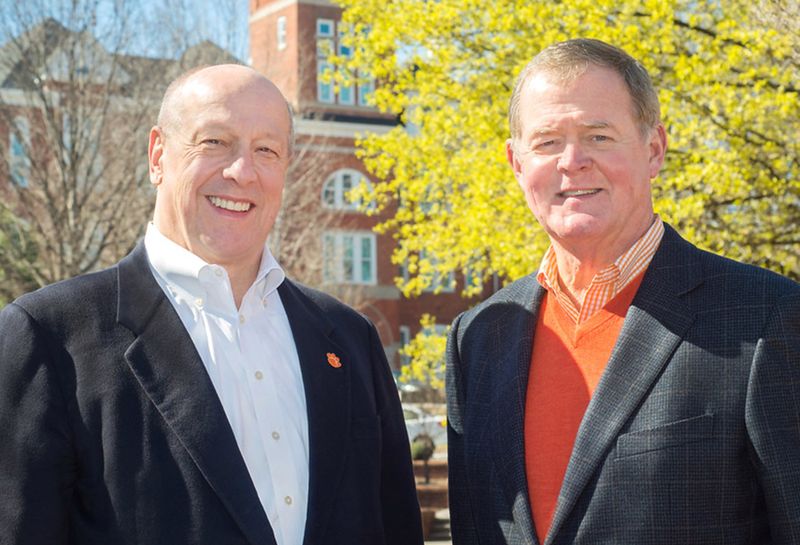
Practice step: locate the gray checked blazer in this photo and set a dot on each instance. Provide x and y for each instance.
(693, 433)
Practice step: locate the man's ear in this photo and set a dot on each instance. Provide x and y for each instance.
(512, 158)
(155, 152)
(658, 149)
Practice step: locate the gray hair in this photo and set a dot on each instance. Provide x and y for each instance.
(566, 61)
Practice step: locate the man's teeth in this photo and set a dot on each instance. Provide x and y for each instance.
(230, 205)
(579, 192)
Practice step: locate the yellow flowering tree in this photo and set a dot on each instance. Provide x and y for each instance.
(425, 351)
(728, 76)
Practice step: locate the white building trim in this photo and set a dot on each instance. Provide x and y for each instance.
(337, 129)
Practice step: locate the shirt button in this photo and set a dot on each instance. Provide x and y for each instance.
(288, 500)
(259, 375)
(198, 303)
(241, 318)
(264, 301)
(276, 435)
(218, 272)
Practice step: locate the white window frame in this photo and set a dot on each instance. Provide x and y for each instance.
(320, 33)
(335, 186)
(346, 94)
(335, 245)
(324, 89)
(280, 29)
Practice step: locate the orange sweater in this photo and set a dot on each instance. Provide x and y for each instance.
(566, 364)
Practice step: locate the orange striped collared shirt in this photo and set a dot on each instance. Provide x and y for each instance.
(608, 282)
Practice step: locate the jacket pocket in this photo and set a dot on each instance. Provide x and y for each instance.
(690, 430)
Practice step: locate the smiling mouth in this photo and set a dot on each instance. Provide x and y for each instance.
(578, 193)
(233, 206)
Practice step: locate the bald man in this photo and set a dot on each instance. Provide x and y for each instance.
(192, 393)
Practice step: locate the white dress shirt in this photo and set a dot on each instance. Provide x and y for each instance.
(252, 360)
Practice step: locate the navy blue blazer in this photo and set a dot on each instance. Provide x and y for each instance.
(691, 437)
(112, 433)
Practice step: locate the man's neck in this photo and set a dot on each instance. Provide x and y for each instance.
(575, 275)
(579, 264)
(241, 278)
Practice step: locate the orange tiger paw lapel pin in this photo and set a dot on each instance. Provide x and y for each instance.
(333, 360)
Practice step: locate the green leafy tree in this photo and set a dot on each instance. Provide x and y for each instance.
(728, 73)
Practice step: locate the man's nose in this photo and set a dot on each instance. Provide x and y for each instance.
(573, 158)
(241, 170)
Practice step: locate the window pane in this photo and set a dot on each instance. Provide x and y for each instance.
(367, 275)
(17, 149)
(346, 95)
(19, 162)
(366, 247)
(324, 48)
(324, 27)
(348, 263)
(365, 91)
(324, 89)
(329, 258)
(329, 193)
(281, 32)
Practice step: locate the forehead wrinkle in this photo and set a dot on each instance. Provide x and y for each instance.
(596, 125)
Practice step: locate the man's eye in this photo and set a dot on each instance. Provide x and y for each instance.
(600, 138)
(545, 146)
(212, 141)
(267, 150)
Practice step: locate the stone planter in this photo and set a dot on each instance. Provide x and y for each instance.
(432, 495)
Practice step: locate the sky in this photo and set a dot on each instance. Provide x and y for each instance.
(147, 27)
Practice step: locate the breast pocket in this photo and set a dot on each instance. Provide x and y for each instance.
(674, 434)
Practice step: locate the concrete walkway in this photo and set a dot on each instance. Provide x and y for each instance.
(440, 534)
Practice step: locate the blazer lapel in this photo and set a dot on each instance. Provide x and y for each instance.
(169, 370)
(510, 360)
(654, 326)
(327, 391)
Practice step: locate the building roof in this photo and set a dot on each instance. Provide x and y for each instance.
(50, 50)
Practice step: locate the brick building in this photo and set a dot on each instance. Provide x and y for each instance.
(289, 42)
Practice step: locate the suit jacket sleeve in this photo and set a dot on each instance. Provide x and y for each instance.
(462, 522)
(773, 418)
(36, 454)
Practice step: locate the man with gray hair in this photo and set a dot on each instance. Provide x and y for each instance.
(192, 393)
(635, 390)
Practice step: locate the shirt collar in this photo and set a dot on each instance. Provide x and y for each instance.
(620, 273)
(181, 269)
